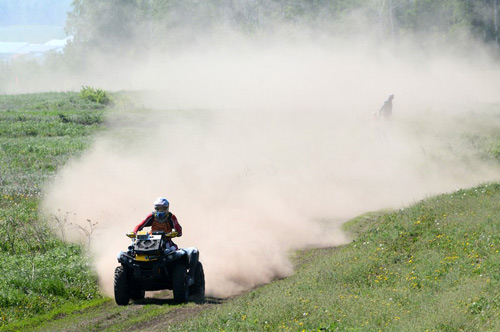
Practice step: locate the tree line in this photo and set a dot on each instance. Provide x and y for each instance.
(109, 24)
(134, 29)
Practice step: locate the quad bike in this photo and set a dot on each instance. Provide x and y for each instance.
(149, 264)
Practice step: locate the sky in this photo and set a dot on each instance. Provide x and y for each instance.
(23, 22)
(28, 12)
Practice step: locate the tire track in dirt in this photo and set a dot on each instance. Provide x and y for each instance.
(111, 317)
(179, 314)
(134, 317)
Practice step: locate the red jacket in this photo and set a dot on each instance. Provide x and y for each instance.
(160, 226)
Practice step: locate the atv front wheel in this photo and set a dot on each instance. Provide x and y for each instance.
(198, 288)
(179, 284)
(137, 294)
(122, 286)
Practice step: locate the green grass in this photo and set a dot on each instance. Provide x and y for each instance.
(38, 134)
(40, 320)
(430, 267)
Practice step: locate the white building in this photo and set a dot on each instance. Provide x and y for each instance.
(12, 50)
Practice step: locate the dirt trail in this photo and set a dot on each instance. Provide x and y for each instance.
(178, 314)
(154, 313)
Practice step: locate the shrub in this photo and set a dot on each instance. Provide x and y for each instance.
(94, 95)
(495, 150)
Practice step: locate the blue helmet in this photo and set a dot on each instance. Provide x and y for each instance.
(161, 208)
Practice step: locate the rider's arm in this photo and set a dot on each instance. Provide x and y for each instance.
(177, 226)
(146, 222)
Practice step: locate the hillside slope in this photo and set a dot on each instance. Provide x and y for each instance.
(431, 266)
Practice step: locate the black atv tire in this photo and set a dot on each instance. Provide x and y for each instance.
(179, 284)
(122, 286)
(137, 294)
(198, 288)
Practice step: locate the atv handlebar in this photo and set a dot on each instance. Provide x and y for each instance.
(172, 234)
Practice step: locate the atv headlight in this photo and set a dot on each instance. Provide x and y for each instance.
(120, 255)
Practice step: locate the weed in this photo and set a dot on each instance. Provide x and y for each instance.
(87, 230)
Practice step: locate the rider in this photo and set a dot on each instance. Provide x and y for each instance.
(386, 109)
(161, 220)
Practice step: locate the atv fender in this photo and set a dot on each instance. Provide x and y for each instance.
(193, 256)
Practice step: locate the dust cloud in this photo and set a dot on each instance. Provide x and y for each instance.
(264, 147)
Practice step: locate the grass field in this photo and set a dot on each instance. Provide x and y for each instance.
(39, 133)
(432, 266)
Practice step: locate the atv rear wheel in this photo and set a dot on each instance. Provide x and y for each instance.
(179, 284)
(122, 286)
(198, 288)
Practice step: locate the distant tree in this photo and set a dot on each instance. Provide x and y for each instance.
(135, 27)
(485, 19)
(106, 25)
(446, 19)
